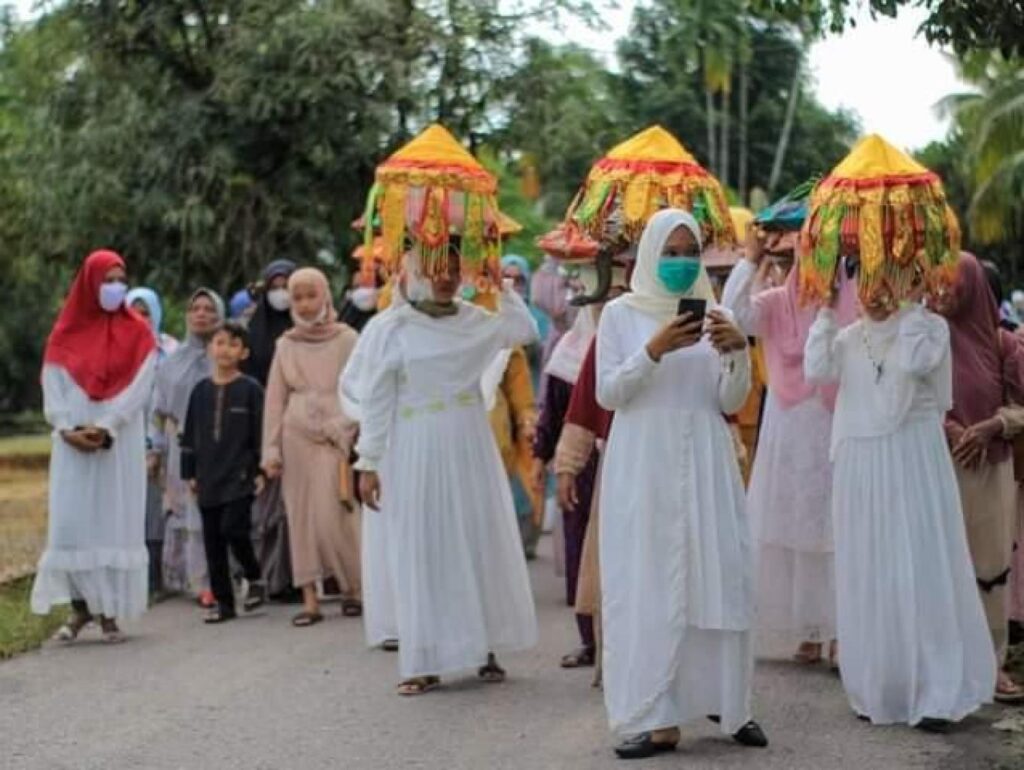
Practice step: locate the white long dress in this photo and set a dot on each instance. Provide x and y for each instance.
(913, 641)
(96, 543)
(458, 573)
(380, 621)
(790, 492)
(676, 571)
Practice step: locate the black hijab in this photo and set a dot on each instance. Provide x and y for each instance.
(267, 324)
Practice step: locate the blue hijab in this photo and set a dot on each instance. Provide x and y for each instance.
(542, 319)
(151, 300)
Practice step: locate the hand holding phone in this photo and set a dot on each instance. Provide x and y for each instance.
(697, 308)
(682, 331)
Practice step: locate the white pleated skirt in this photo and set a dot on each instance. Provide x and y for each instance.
(913, 641)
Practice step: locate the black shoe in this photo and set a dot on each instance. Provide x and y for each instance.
(930, 725)
(641, 747)
(751, 735)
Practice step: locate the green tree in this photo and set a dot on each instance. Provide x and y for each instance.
(966, 25)
(661, 83)
(561, 116)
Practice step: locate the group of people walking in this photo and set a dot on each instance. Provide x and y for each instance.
(295, 451)
(239, 435)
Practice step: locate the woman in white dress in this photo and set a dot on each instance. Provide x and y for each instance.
(791, 487)
(97, 378)
(674, 540)
(913, 644)
(380, 622)
(430, 465)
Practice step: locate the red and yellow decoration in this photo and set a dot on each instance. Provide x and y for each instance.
(648, 172)
(428, 191)
(889, 211)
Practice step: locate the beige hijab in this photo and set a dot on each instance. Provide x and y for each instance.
(326, 326)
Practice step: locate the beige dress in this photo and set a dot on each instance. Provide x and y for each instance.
(305, 429)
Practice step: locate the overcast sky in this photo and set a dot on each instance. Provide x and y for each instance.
(880, 70)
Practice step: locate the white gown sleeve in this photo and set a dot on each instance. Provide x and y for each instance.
(56, 408)
(354, 380)
(734, 381)
(821, 355)
(738, 294)
(620, 373)
(923, 341)
(130, 401)
(378, 401)
(515, 322)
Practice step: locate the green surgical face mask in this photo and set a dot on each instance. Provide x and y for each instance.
(678, 274)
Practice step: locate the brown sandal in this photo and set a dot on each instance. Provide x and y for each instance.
(305, 619)
(809, 653)
(352, 608)
(419, 685)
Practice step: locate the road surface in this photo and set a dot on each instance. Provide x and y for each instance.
(257, 694)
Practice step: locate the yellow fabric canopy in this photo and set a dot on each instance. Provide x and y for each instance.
(647, 172)
(884, 209)
(428, 192)
(873, 157)
(652, 144)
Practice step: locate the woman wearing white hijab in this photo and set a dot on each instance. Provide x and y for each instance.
(675, 543)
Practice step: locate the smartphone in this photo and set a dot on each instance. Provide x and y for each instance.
(695, 307)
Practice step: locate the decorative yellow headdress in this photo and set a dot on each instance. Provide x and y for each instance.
(648, 172)
(428, 191)
(888, 210)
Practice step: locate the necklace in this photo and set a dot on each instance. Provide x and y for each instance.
(877, 362)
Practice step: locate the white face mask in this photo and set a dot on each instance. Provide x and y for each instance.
(320, 318)
(279, 299)
(364, 298)
(112, 295)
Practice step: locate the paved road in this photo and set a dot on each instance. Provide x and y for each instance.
(259, 695)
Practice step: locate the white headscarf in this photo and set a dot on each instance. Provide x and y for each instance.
(567, 357)
(647, 293)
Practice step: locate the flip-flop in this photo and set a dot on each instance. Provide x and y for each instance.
(306, 619)
(389, 645)
(418, 686)
(351, 608)
(1009, 697)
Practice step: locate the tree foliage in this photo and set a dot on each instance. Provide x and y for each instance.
(202, 139)
(966, 25)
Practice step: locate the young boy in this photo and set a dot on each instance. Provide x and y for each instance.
(220, 457)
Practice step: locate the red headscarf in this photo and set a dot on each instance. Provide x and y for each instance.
(101, 351)
(985, 371)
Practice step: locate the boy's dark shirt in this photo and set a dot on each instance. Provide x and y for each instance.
(220, 445)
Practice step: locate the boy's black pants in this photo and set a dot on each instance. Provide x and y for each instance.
(228, 526)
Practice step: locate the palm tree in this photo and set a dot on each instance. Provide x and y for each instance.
(992, 116)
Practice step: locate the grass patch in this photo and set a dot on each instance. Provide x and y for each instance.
(23, 493)
(20, 630)
(25, 446)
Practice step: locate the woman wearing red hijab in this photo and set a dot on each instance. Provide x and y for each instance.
(988, 374)
(97, 377)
